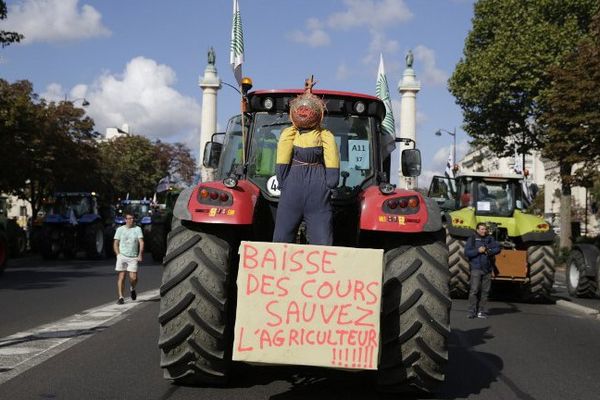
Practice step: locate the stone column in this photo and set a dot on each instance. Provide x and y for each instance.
(408, 88)
(210, 83)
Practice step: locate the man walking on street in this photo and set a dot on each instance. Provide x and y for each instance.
(129, 247)
(480, 250)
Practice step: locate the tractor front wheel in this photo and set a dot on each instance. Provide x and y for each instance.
(195, 328)
(50, 243)
(415, 321)
(579, 285)
(540, 259)
(94, 240)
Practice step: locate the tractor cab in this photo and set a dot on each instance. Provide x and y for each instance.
(354, 120)
(72, 206)
(486, 194)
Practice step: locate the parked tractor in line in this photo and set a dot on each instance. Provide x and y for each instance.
(72, 224)
(527, 257)
(198, 292)
(161, 218)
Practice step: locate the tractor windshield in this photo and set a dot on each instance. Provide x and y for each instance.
(80, 205)
(139, 210)
(499, 198)
(353, 136)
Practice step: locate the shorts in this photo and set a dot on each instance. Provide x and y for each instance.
(125, 263)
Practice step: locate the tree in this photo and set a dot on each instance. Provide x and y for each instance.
(503, 77)
(45, 146)
(571, 118)
(176, 161)
(134, 165)
(503, 73)
(130, 165)
(7, 38)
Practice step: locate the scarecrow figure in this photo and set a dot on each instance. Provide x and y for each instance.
(308, 166)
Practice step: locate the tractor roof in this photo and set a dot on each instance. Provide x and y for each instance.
(345, 103)
(490, 175)
(126, 202)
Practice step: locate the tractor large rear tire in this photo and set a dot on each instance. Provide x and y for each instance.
(195, 328)
(459, 268)
(158, 242)
(541, 262)
(579, 285)
(3, 251)
(415, 319)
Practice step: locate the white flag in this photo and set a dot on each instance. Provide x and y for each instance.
(449, 171)
(518, 162)
(236, 55)
(382, 91)
(519, 169)
(163, 185)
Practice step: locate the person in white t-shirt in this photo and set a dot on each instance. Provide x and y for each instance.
(129, 247)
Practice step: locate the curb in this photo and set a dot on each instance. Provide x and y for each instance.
(592, 312)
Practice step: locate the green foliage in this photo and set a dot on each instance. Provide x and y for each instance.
(43, 144)
(503, 74)
(45, 147)
(572, 110)
(7, 38)
(133, 164)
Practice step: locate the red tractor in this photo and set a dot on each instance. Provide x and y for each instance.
(198, 291)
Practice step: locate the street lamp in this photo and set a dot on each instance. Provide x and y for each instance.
(84, 101)
(453, 134)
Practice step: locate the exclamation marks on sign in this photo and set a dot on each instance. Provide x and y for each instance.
(353, 358)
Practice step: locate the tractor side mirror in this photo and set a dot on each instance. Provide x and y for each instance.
(212, 153)
(411, 162)
(533, 190)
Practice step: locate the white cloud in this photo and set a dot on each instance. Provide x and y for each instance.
(430, 72)
(314, 36)
(373, 14)
(370, 13)
(54, 21)
(142, 97)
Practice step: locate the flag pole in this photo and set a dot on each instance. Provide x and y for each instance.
(236, 59)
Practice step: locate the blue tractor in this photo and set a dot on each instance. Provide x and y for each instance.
(73, 223)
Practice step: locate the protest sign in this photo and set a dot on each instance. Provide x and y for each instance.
(308, 305)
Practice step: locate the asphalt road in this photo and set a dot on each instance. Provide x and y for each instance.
(524, 351)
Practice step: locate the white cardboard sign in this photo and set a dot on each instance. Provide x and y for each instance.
(308, 305)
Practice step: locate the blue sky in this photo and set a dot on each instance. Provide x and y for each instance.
(139, 61)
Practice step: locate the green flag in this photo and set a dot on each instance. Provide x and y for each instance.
(236, 55)
(382, 91)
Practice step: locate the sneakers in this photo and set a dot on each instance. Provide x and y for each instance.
(121, 300)
(471, 315)
(482, 315)
(133, 294)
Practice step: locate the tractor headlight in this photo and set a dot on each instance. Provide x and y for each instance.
(387, 188)
(359, 107)
(268, 103)
(230, 182)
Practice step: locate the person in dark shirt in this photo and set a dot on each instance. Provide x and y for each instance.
(480, 250)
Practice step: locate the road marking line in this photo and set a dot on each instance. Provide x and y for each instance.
(24, 350)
